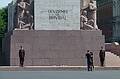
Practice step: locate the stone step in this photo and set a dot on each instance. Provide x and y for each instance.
(56, 68)
(68, 32)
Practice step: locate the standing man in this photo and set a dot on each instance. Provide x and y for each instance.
(102, 56)
(88, 56)
(92, 62)
(21, 56)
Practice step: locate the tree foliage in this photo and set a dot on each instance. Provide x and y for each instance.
(3, 23)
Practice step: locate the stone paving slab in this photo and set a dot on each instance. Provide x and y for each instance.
(111, 74)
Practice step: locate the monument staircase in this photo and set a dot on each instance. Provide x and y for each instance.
(112, 59)
(112, 54)
(113, 47)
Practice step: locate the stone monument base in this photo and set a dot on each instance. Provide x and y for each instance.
(52, 47)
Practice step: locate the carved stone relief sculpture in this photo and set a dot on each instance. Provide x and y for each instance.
(25, 18)
(90, 14)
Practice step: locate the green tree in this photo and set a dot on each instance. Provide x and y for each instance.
(3, 24)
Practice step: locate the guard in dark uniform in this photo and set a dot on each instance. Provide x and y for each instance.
(92, 62)
(21, 56)
(88, 56)
(102, 56)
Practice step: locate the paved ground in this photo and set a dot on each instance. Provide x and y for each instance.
(58, 72)
(112, 74)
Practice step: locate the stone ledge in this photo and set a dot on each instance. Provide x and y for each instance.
(56, 68)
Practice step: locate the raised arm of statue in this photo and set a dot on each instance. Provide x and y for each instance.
(92, 5)
(22, 5)
(27, 4)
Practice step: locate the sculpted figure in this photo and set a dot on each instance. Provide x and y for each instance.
(24, 7)
(92, 12)
(85, 23)
(25, 19)
(88, 16)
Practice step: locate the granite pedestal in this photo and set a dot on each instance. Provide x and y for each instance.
(53, 47)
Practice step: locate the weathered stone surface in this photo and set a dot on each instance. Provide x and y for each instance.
(57, 14)
(55, 47)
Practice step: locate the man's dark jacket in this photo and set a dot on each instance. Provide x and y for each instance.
(21, 53)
